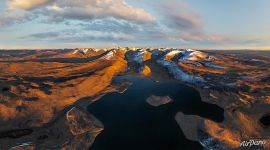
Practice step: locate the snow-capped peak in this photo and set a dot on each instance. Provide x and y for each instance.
(193, 55)
(82, 50)
(190, 50)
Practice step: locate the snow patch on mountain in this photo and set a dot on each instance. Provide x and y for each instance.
(211, 65)
(136, 56)
(173, 53)
(109, 55)
(173, 67)
(139, 56)
(178, 73)
(210, 143)
(192, 55)
(156, 52)
(84, 50)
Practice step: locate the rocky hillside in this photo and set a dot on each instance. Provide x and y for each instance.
(44, 93)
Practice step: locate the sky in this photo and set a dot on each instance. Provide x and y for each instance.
(199, 24)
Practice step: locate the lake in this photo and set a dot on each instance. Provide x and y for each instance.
(131, 123)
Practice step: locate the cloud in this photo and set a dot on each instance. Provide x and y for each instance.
(188, 36)
(18, 11)
(27, 4)
(67, 10)
(111, 25)
(16, 16)
(184, 23)
(111, 21)
(142, 32)
(102, 30)
(178, 15)
(74, 35)
(43, 35)
(96, 9)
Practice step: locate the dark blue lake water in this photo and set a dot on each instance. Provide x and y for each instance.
(131, 123)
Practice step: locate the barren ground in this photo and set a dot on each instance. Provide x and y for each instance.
(44, 94)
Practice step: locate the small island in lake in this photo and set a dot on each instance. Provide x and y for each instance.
(154, 100)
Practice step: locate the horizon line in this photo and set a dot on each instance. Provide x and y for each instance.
(220, 49)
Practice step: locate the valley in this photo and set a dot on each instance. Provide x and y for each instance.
(60, 99)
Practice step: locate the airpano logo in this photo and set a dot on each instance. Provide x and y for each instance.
(252, 142)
